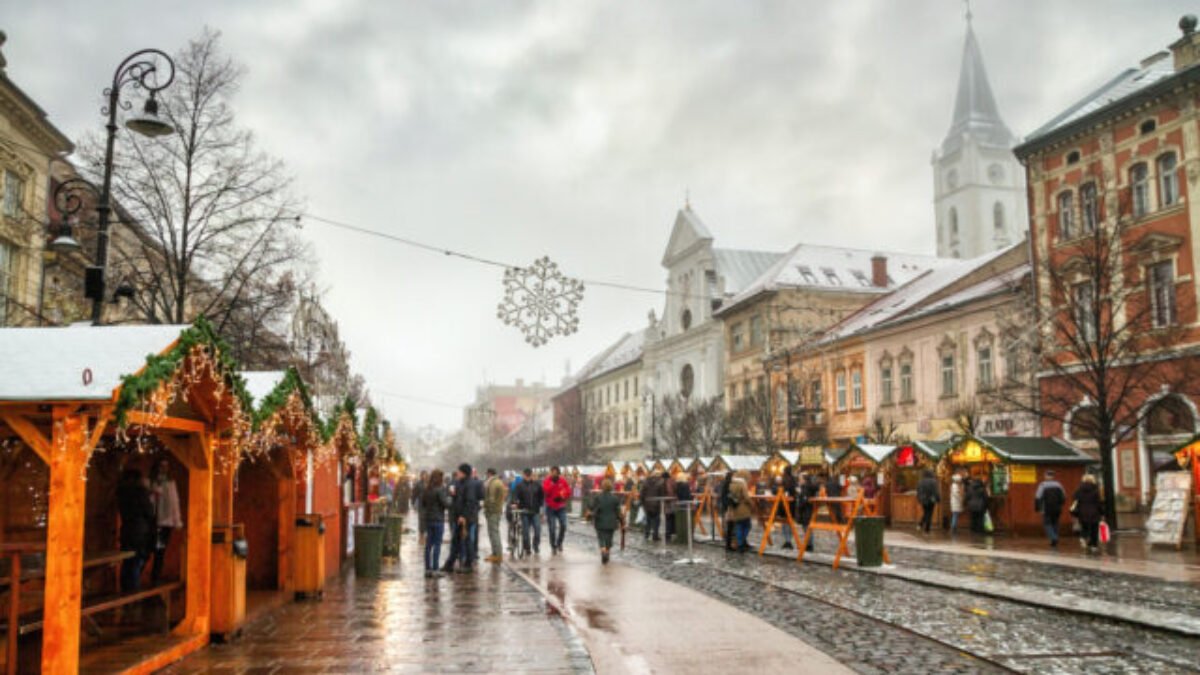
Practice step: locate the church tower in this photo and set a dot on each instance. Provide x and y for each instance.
(978, 184)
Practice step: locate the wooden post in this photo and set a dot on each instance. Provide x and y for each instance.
(64, 543)
(198, 551)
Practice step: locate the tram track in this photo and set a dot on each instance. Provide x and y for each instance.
(960, 631)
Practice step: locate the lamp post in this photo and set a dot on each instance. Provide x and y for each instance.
(142, 69)
(649, 396)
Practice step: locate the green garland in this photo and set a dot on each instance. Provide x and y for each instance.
(346, 407)
(161, 367)
(278, 398)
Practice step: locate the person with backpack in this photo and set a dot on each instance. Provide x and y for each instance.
(529, 499)
(927, 497)
(1049, 500)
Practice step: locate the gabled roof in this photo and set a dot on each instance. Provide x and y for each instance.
(687, 232)
(743, 462)
(833, 268)
(1032, 449)
(54, 364)
(876, 452)
(1126, 87)
(933, 449)
(627, 350)
(740, 268)
(975, 111)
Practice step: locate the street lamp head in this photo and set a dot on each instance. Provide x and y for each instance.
(64, 242)
(149, 123)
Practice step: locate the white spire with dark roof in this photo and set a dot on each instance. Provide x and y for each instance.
(975, 111)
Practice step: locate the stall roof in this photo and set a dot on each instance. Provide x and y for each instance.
(789, 456)
(591, 469)
(1036, 450)
(49, 364)
(743, 462)
(260, 383)
(704, 462)
(876, 452)
(934, 449)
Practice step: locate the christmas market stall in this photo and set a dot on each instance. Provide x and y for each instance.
(1010, 468)
(677, 467)
(350, 509)
(272, 495)
(781, 461)
(97, 422)
(903, 470)
(751, 464)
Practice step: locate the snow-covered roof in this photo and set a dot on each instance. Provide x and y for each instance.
(627, 350)
(702, 462)
(899, 303)
(834, 268)
(877, 453)
(740, 268)
(52, 364)
(789, 456)
(1128, 83)
(591, 469)
(260, 383)
(743, 462)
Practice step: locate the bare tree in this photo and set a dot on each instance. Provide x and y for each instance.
(966, 418)
(216, 215)
(1102, 336)
(884, 431)
(751, 418)
(710, 425)
(676, 425)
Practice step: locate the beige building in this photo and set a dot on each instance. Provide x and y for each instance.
(611, 394)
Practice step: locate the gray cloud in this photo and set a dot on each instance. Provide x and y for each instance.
(516, 129)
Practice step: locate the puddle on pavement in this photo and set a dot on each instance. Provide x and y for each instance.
(596, 618)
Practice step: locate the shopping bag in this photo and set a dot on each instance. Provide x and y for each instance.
(1105, 533)
(987, 522)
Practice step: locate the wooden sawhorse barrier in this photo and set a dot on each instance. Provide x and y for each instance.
(778, 500)
(707, 504)
(842, 530)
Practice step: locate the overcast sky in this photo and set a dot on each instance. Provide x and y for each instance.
(572, 129)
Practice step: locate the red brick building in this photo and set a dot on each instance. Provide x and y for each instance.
(1112, 174)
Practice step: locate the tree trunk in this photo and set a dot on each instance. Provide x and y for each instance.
(1108, 472)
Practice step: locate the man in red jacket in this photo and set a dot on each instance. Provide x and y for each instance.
(557, 492)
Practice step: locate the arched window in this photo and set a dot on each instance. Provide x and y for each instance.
(1085, 424)
(953, 223)
(1066, 215)
(1139, 189)
(687, 381)
(1090, 207)
(686, 319)
(1170, 416)
(998, 218)
(1168, 182)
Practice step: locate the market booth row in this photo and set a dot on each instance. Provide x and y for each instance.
(84, 414)
(904, 469)
(1011, 467)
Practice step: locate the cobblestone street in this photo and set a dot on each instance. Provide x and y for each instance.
(489, 621)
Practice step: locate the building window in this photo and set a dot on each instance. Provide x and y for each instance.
(953, 224)
(14, 188)
(687, 380)
(737, 337)
(906, 383)
(635, 386)
(861, 277)
(1083, 301)
(1162, 293)
(756, 331)
(625, 419)
(626, 390)
(1148, 127)
(856, 397)
(637, 430)
(1012, 360)
(1090, 207)
(885, 384)
(686, 319)
(984, 359)
(1073, 157)
(840, 389)
(1066, 215)
(948, 377)
(807, 273)
(1139, 189)
(815, 394)
(831, 276)
(998, 218)
(1168, 181)
(6, 272)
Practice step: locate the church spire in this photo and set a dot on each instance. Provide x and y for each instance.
(975, 111)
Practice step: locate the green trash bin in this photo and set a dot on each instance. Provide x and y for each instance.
(868, 541)
(368, 550)
(681, 526)
(393, 525)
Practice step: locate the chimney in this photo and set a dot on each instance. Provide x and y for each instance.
(1187, 48)
(879, 275)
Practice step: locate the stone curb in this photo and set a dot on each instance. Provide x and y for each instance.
(1172, 622)
(575, 643)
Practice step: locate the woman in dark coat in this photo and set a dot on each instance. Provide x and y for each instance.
(977, 503)
(606, 517)
(434, 502)
(138, 527)
(1089, 509)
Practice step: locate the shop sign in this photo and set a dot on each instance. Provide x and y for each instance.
(906, 456)
(971, 452)
(1023, 473)
(860, 462)
(999, 480)
(812, 455)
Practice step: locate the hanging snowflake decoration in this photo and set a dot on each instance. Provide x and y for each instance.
(540, 301)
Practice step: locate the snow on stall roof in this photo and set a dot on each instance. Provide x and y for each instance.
(877, 453)
(743, 462)
(835, 268)
(49, 364)
(910, 295)
(260, 383)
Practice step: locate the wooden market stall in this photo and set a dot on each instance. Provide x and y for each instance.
(271, 496)
(87, 406)
(781, 461)
(1188, 458)
(1011, 467)
(903, 470)
(865, 462)
(346, 451)
(751, 464)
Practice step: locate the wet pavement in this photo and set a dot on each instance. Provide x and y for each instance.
(488, 621)
(634, 622)
(884, 624)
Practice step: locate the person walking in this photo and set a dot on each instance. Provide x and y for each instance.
(740, 510)
(977, 503)
(928, 498)
(468, 497)
(683, 496)
(434, 500)
(418, 488)
(137, 526)
(167, 513)
(529, 500)
(557, 493)
(1089, 509)
(809, 490)
(1049, 500)
(653, 493)
(605, 508)
(723, 503)
(956, 501)
(494, 495)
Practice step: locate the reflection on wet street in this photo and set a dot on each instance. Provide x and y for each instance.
(488, 621)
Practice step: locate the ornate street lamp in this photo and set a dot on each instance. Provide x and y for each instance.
(151, 70)
(69, 200)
